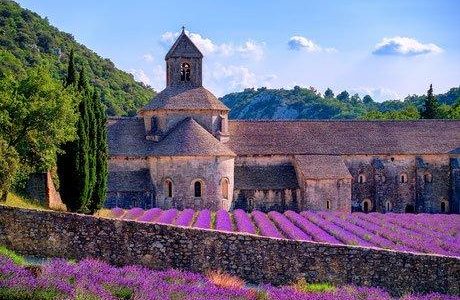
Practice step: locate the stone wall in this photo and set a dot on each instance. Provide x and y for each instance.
(255, 259)
(40, 186)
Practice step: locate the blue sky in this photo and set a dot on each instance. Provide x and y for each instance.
(386, 48)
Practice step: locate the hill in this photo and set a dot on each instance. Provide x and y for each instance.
(307, 103)
(32, 40)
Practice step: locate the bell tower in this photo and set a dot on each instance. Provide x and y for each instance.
(184, 63)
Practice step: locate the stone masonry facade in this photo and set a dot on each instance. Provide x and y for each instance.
(182, 151)
(253, 258)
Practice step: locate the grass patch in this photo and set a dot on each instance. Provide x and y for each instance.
(22, 294)
(22, 202)
(104, 213)
(16, 258)
(303, 286)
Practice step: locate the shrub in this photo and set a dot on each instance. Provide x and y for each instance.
(16, 258)
(303, 286)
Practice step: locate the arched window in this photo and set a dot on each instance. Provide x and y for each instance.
(168, 188)
(361, 178)
(388, 206)
(366, 205)
(154, 124)
(403, 178)
(328, 204)
(427, 177)
(410, 209)
(444, 206)
(197, 189)
(224, 184)
(185, 72)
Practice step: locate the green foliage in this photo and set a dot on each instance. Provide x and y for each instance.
(36, 116)
(71, 78)
(100, 186)
(82, 168)
(16, 258)
(303, 286)
(27, 294)
(32, 40)
(409, 113)
(302, 103)
(328, 93)
(430, 108)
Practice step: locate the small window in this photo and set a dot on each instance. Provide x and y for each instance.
(168, 188)
(410, 209)
(388, 206)
(361, 178)
(366, 205)
(444, 206)
(427, 178)
(197, 189)
(328, 204)
(224, 184)
(403, 178)
(185, 72)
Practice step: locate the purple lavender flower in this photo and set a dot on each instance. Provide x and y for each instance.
(223, 221)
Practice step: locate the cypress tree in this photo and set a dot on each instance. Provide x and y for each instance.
(431, 106)
(90, 128)
(71, 78)
(100, 187)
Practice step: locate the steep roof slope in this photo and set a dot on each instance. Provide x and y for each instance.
(178, 98)
(344, 137)
(183, 47)
(126, 137)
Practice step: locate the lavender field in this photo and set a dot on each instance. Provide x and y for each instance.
(95, 280)
(422, 233)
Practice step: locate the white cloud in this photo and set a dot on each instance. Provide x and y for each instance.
(235, 77)
(141, 76)
(148, 57)
(250, 49)
(404, 46)
(298, 42)
(159, 77)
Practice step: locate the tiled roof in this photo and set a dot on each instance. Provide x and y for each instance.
(188, 138)
(321, 167)
(130, 181)
(177, 98)
(344, 137)
(184, 47)
(265, 177)
(126, 137)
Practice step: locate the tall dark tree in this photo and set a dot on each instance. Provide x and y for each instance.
(430, 108)
(90, 128)
(71, 78)
(367, 99)
(328, 93)
(100, 187)
(343, 96)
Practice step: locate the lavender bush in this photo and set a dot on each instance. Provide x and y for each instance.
(422, 233)
(92, 280)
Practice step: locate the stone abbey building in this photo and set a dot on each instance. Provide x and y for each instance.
(182, 151)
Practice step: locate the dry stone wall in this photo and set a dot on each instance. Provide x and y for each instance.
(255, 259)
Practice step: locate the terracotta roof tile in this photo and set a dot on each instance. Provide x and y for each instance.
(184, 47)
(187, 98)
(344, 137)
(321, 167)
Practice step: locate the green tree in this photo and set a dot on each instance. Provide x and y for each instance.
(36, 116)
(355, 99)
(100, 187)
(343, 96)
(430, 108)
(9, 162)
(328, 93)
(71, 78)
(409, 113)
(368, 99)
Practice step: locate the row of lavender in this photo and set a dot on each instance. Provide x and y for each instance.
(423, 233)
(93, 279)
